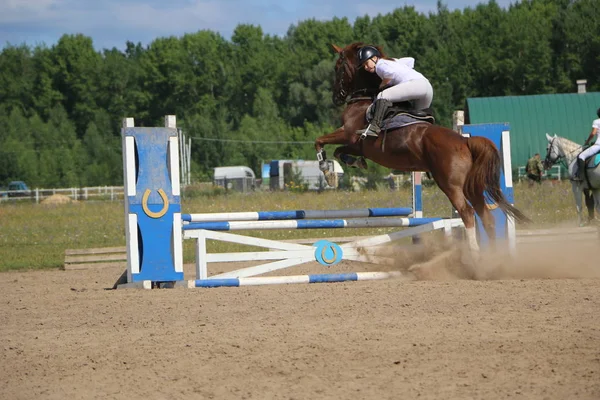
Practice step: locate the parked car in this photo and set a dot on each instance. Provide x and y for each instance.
(18, 189)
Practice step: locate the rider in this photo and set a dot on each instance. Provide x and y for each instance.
(401, 80)
(590, 151)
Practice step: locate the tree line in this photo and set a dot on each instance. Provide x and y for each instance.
(257, 97)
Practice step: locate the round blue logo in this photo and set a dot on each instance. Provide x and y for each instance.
(328, 253)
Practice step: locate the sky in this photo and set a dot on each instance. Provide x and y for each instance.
(111, 23)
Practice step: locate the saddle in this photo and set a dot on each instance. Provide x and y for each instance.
(588, 164)
(592, 161)
(421, 115)
(402, 114)
(407, 108)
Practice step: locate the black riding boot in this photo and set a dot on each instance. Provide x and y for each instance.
(381, 107)
(581, 169)
(578, 170)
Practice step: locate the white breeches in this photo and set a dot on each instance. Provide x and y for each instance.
(418, 90)
(590, 151)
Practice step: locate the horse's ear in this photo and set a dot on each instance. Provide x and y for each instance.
(548, 137)
(337, 49)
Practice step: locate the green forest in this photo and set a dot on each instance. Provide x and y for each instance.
(256, 97)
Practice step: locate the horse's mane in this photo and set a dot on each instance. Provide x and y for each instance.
(567, 145)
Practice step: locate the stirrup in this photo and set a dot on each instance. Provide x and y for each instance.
(371, 130)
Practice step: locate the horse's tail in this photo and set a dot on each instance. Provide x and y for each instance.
(484, 176)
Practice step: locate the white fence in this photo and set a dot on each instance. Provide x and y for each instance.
(111, 193)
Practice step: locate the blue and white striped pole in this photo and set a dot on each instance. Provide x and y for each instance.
(417, 205)
(309, 224)
(417, 199)
(279, 280)
(298, 214)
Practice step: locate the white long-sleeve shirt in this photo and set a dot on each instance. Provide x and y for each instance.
(596, 125)
(397, 71)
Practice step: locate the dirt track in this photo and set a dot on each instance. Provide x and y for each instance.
(64, 336)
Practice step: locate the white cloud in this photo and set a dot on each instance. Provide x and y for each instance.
(114, 22)
(31, 5)
(193, 16)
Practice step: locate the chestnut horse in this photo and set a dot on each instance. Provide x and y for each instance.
(463, 168)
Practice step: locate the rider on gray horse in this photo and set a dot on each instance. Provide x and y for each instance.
(590, 151)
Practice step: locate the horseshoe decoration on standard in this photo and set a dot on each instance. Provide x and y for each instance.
(153, 214)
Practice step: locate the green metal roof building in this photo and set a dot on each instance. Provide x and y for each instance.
(530, 117)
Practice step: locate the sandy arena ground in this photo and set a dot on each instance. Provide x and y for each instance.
(528, 330)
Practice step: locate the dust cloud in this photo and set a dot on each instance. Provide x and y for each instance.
(567, 255)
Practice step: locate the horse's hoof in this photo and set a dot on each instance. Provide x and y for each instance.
(324, 166)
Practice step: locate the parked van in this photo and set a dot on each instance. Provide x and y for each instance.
(239, 178)
(281, 173)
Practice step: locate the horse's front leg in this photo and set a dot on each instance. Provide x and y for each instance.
(577, 193)
(339, 136)
(336, 137)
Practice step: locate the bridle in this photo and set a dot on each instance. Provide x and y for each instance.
(549, 161)
(342, 72)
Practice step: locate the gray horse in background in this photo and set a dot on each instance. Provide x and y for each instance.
(561, 149)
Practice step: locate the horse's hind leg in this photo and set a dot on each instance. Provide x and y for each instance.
(595, 194)
(456, 196)
(487, 219)
(351, 156)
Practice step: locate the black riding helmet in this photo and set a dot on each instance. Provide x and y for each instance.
(365, 53)
(598, 112)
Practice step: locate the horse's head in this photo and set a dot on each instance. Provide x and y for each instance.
(349, 78)
(553, 153)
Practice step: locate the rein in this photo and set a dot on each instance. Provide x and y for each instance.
(340, 78)
(357, 99)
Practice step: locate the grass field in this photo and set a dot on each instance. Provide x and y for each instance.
(36, 235)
